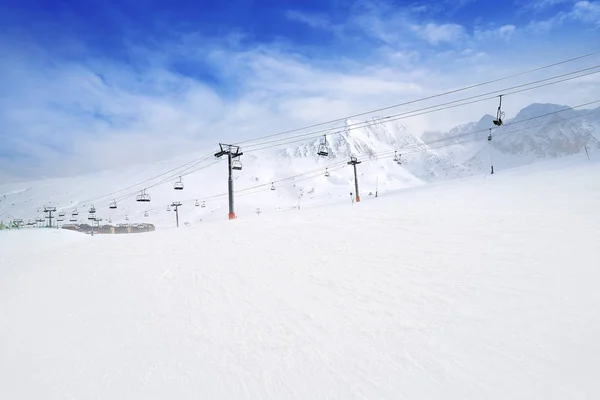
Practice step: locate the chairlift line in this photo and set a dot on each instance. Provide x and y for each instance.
(473, 86)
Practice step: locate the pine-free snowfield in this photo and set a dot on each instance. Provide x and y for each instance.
(484, 288)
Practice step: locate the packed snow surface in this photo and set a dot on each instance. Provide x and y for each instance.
(480, 288)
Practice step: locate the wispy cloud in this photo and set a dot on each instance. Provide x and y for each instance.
(586, 12)
(313, 20)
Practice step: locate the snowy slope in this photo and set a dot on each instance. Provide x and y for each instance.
(480, 288)
(376, 174)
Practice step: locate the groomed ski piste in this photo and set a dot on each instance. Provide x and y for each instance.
(483, 287)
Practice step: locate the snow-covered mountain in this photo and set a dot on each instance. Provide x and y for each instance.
(460, 152)
(377, 140)
(374, 145)
(560, 131)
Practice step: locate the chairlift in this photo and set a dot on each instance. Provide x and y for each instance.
(272, 186)
(322, 150)
(203, 204)
(145, 213)
(92, 210)
(61, 214)
(236, 164)
(91, 216)
(75, 213)
(60, 219)
(168, 208)
(73, 219)
(143, 196)
(178, 185)
(326, 173)
(197, 204)
(490, 135)
(113, 205)
(499, 115)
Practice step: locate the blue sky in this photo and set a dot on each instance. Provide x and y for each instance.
(138, 81)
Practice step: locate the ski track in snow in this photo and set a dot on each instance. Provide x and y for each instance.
(483, 288)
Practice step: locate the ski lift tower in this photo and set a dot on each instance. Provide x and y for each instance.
(176, 206)
(232, 153)
(354, 161)
(49, 211)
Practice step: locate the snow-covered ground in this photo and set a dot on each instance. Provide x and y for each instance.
(479, 288)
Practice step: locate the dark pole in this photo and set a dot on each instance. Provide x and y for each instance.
(353, 161)
(176, 205)
(230, 186)
(356, 184)
(490, 140)
(232, 152)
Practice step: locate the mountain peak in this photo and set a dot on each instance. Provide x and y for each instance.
(537, 109)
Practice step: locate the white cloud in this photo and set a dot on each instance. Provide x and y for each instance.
(316, 21)
(585, 12)
(436, 34)
(540, 5)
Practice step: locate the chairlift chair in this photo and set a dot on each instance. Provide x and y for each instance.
(168, 208)
(499, 114)
(91, 216)
(203, 204)
(197, 204)
(490, 135)
(127, 218)
(61, 214)
(92, 209)
(326, 173)
(178, 185)
(236, 164)
(73, 219)
(75, 213)
(272, 186)
(145, 213)
(322, 150)
(143, 196)
(113, 205)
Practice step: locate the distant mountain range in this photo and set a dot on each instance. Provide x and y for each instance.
(460, 152)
